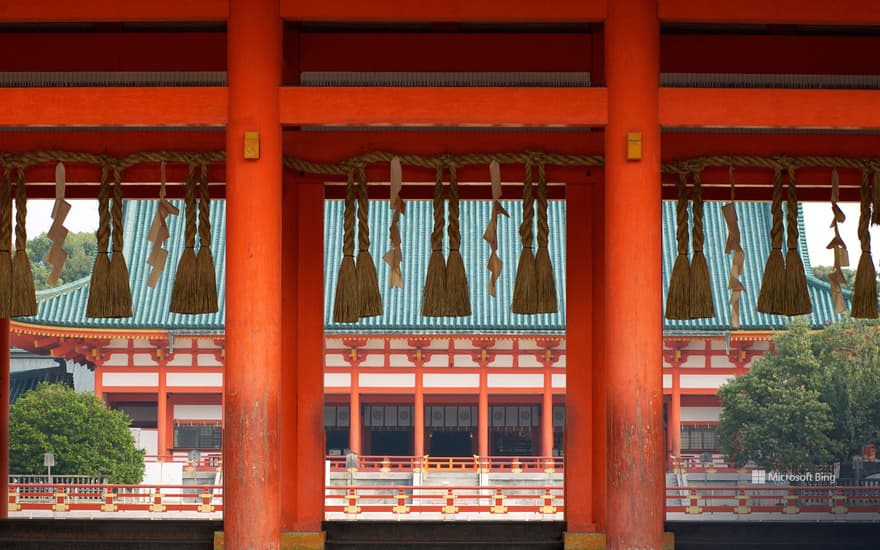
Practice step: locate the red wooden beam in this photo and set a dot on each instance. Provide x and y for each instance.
(64, 11)
(113, 106)
(381, 106)
(803, 12)
(141, 51)
(769, 108)
(420, 52)
(461, 11)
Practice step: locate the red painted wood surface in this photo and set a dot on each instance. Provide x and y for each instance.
(597, 356)
(125, 107)
(448, 106)
(58, 11)
(633, 314)
(4, 415)
(310, 445)
(289, 325)
(766, 108)
(490, 11)
(253, 286)
(804, 12)
(580, 268)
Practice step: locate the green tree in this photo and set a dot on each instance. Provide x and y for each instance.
(774, 415)
(849, 352)
(81, 250)
(86, 436)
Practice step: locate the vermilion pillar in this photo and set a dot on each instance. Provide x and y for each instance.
(547, 414)
(483, 414)
(4, 418)
(579, 365)
(633, 327)
(288, 398)
(253, 278)
(419, 415)
(600, 430)
(310, 361)
(673, 423)
(354, 416)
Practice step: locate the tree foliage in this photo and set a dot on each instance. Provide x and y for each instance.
(773, 415)
(86, 436)
(81, 250)
(815, 400)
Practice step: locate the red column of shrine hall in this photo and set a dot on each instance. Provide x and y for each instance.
(614, 443)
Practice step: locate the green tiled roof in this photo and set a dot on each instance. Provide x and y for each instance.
(65, 306)
(24, 381)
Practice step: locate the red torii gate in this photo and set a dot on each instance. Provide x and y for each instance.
(274, 284)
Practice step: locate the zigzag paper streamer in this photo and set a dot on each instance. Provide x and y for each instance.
(841, 256)
(734, 247)
(394, 256)
(58, 233)
(491, 234)
(159, 234)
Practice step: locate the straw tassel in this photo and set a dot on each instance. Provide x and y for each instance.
(99, 299)
(183, 293)
(701, 305)
(24, 300)
(864, 302)
(346, 308)
(206, 277)
(772, 296)
(525, 297)
(458, 301)
(368, 282)
(545, 285)
(434, 301)
(118, 284)
(678, 297)
(5, 246)
(797, 295)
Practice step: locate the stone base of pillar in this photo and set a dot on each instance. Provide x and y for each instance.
(583, 541)
(302, 540)
(289, 540)
(596, 541)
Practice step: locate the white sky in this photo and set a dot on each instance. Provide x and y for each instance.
(817, 218)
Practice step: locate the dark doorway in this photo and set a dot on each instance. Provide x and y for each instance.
(452, 443)
(337, 441)
(391, 443)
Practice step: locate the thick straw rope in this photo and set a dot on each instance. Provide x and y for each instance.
(525, 297)
(864, 302)
(206, 277)
(346, 308)
(545, 286)
(797, 295)
(185, 290)
(458, 301)
(678, 296)
(5, 246)
(99, 299)
(434, 302)
(772, 296)
(700, 302)
(368, 282)
(841, 256)
(777, 164)
(24, 301)
(120, 288)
